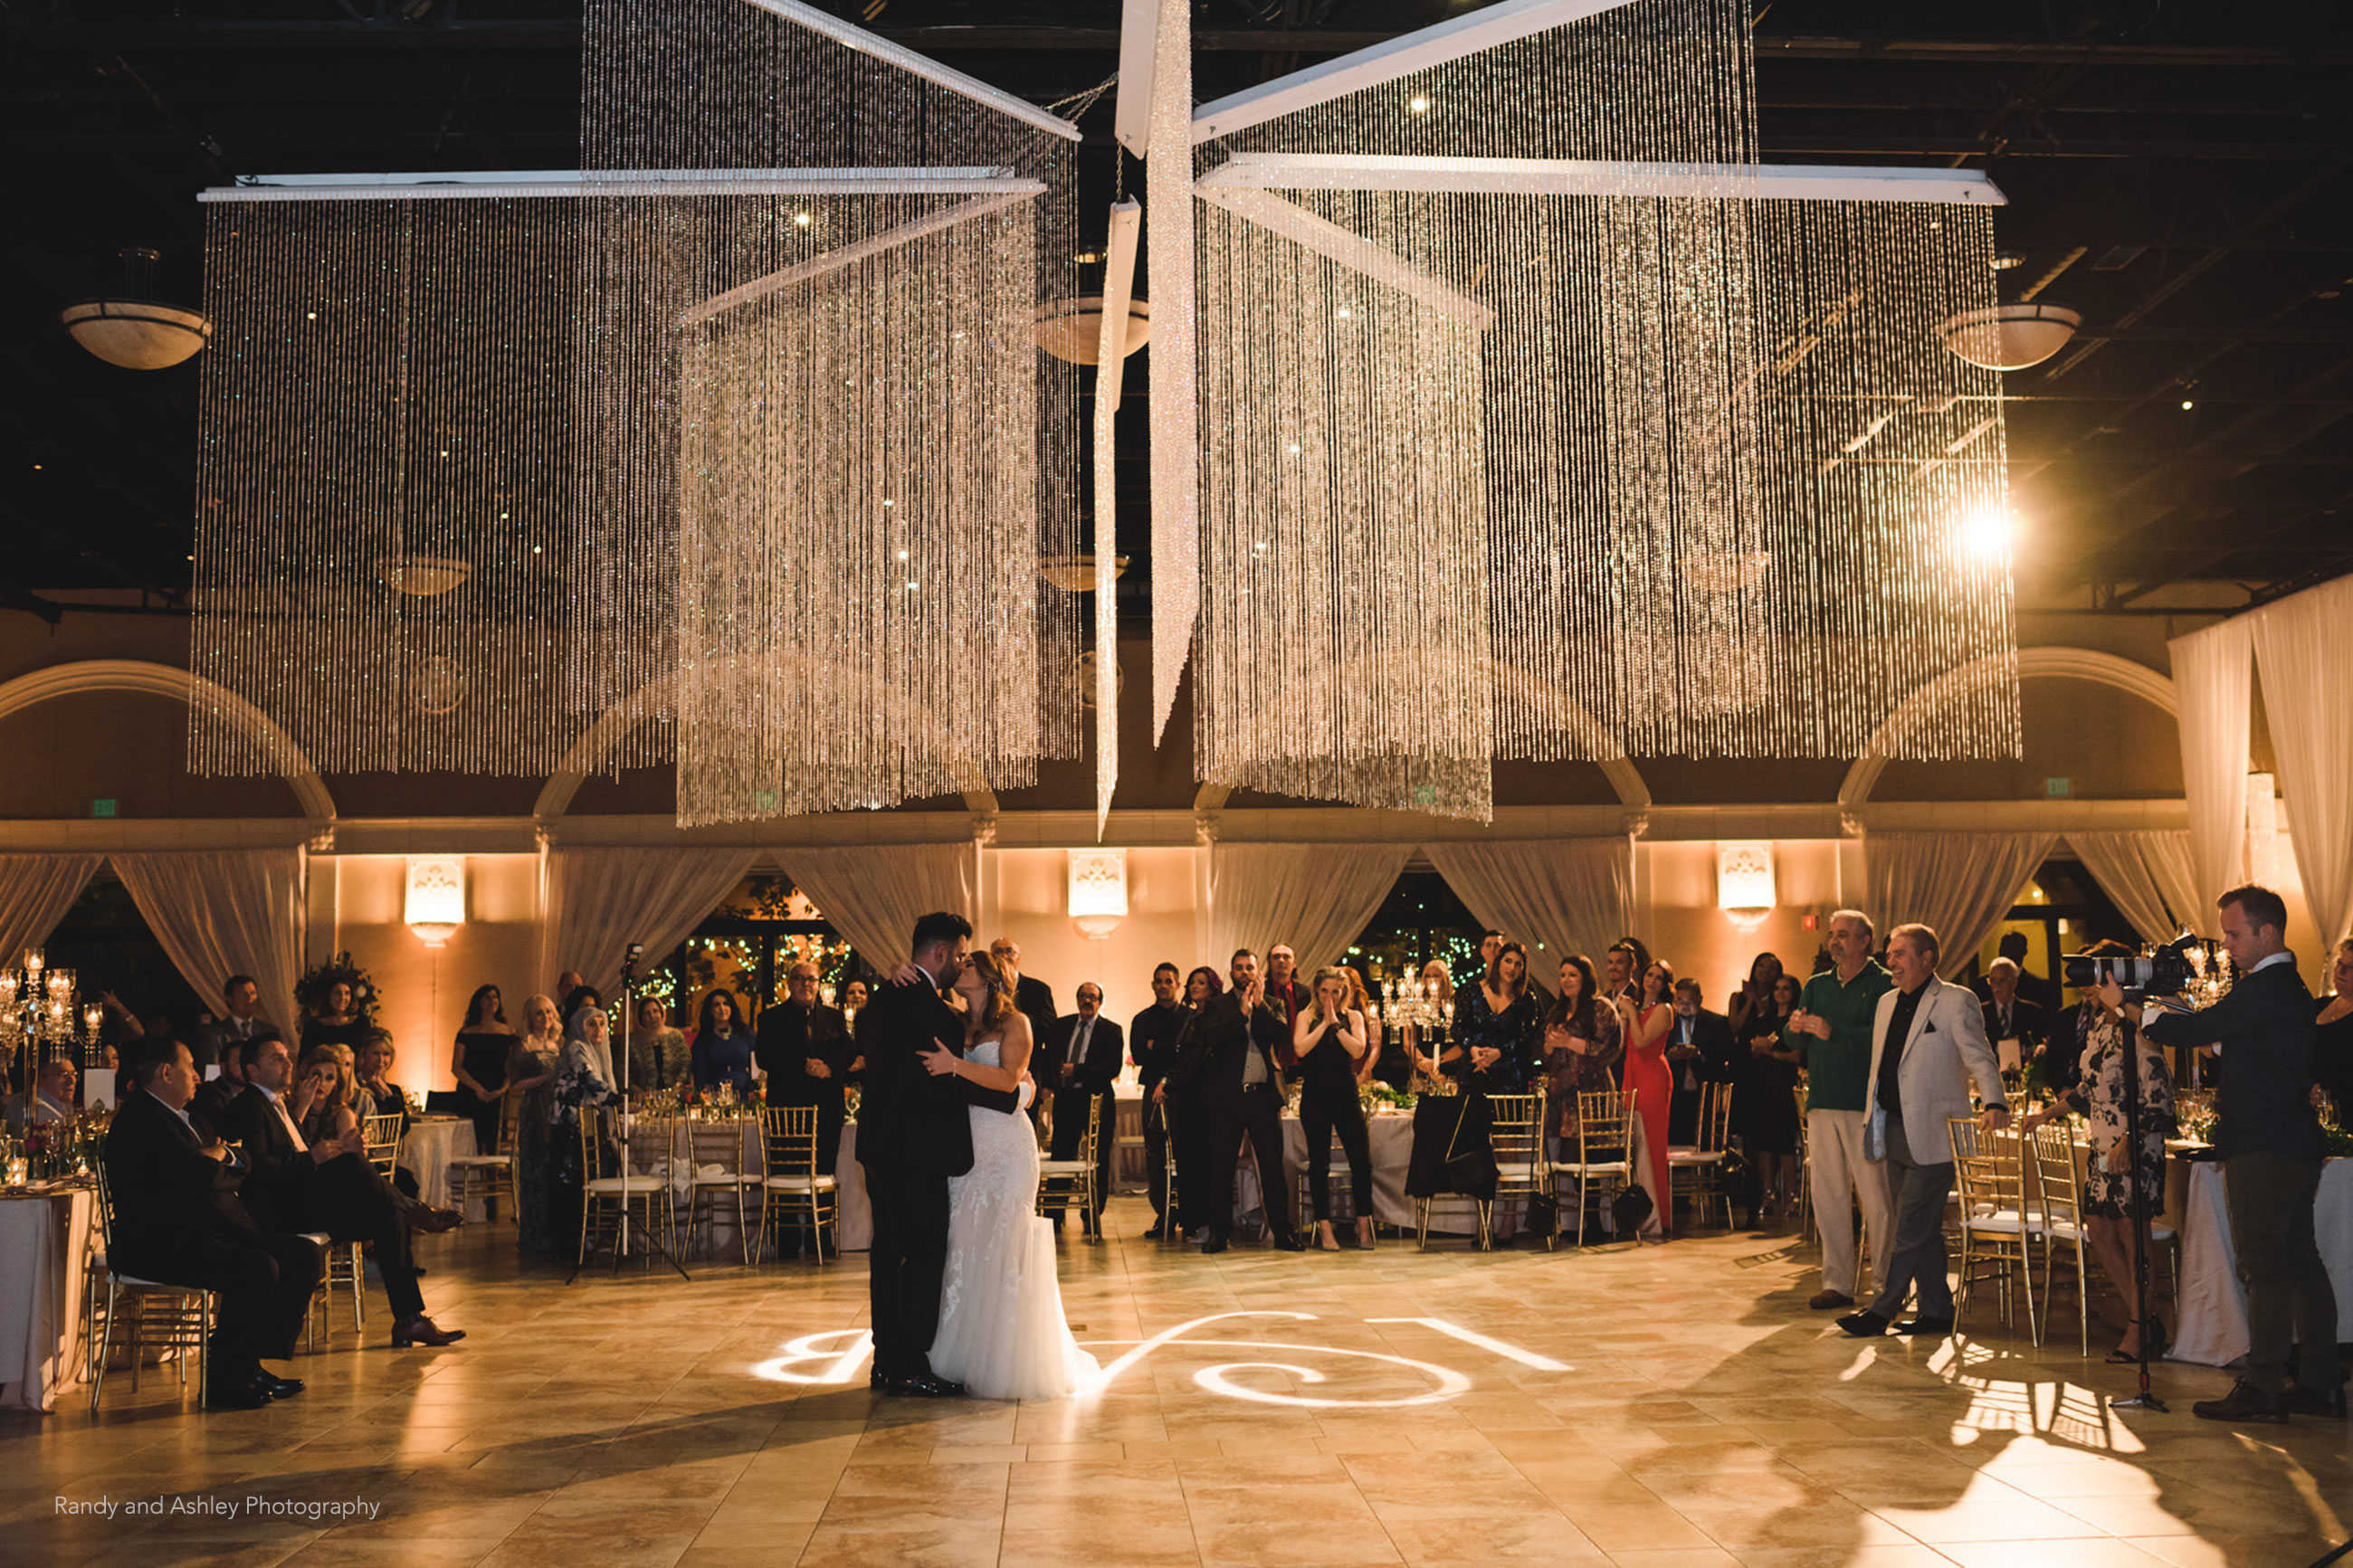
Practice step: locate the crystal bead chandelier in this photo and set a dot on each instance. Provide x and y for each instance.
(38, 1012)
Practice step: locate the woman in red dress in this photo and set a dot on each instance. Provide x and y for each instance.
(1649, 1083)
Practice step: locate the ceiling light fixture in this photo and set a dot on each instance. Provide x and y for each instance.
(133, 328)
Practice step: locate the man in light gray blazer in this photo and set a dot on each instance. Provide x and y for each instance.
(1928, 1041)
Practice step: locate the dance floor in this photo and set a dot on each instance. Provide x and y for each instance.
(1666, 1407)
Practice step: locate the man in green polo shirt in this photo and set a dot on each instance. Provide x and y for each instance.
(1831, 1031)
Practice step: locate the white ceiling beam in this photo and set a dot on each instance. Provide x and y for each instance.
(835, 260)
(547, 184)
(1503, 23)
(1579, 177)
(1139, 41)
(881, 49)
(1351, 250)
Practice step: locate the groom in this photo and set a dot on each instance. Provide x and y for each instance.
(913, 1135)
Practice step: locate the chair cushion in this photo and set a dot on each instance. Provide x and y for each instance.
(1598, 1168)
(725, 1179)
(800, 1183)
(607, 1186)
(1063, 1167)
(481, 1161)
(318, 1237)
(2002, 1221)
(1694, 1156)
(132, 1281)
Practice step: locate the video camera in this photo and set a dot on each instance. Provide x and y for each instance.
(2164, 973)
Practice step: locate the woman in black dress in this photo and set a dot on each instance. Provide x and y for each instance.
(338, 1021)
(1765, 1092)
(479, 1063)
(1498, 1029)
(1189, 1120)
(1330, 1039)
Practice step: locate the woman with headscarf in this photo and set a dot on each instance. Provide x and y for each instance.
(584, 1081)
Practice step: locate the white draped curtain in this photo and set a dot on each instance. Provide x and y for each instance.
(874, 894)
(1572, 894)
(36, 891)
(600, 900)
(219, 913)
(1958, 885)
(1316, 896)
(2304, 649)
(2210, 680)
(2149, 874)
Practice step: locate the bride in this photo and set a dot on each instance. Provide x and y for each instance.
(1002, 1334)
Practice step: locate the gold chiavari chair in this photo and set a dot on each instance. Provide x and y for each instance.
(488, 1174)
(139, 1315)
(1699, 1170)
(1998, 1223)
(2059, 1170)
(380, 1140)
(1603, 1157)
(790, 1182)
(610, 1197)
(1077, 1178)
(715, 1153)
(1522, 1172)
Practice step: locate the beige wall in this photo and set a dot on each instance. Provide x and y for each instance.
(1676, 912)
(1026, 896)
(425, 989)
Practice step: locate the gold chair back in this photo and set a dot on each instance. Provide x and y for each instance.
(380, 1135)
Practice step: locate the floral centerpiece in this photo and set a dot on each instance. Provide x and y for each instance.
(311, 991)
(1379, 1095)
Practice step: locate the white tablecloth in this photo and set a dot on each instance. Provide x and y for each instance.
(1390, 1138)
(2214, 1328)
(426, 1149)
(43, 1241)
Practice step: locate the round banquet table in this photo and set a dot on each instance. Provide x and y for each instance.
(426, 1149)
(2213, 1327)
(44, 1239)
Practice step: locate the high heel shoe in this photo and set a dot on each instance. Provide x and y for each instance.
(1365, 1234)
(1324, 1240)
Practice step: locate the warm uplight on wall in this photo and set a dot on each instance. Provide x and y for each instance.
(1098, 891)
(1743, 877)
(436, 905)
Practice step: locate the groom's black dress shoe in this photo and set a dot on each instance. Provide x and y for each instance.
(275, 1387)
(1931, 1328)
(927, 1386)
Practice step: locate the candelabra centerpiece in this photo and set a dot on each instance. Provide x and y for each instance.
(38, 1012)
(1418, 1005)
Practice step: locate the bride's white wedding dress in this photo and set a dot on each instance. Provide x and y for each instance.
(1002, 1334)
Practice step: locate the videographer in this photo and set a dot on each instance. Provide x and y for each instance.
(2268, 1140)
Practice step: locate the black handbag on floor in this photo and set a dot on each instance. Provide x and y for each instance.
(1628, 1210)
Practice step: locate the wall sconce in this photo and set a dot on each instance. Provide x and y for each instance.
(1098, 891)
(1743, 877)
(436, 905)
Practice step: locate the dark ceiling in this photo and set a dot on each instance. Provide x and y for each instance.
(2178, 173)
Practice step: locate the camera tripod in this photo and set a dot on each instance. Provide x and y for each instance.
(2144, 1398)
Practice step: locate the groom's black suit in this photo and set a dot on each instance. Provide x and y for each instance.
(913, 1135)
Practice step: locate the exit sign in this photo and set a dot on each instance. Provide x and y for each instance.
(2058, 787)
(101, 808)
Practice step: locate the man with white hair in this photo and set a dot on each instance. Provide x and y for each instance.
(2013, 1024)
(1831, 1033)
(1928, 1043)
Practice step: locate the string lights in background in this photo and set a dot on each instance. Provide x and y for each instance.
(744, 424)
(1692, 476)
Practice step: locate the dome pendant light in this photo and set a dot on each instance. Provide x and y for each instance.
(134, 330)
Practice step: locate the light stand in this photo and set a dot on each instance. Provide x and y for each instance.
(654, 1249)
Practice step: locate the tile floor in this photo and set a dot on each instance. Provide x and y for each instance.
(1666, 1407)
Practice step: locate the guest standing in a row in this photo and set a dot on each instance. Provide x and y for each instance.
(1649, 1083)
(1075, 1067)
(1498, 1028)
(1152, 1048)
(479, 1063)
(723, 1045)
(531, 1078)
(804, 1049)
(1764, 1086)
(660, 1062)
(1831, 1031)
(1329, 1039)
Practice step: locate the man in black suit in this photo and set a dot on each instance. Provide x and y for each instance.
(2268, 1140)
(1079, 1067)
(1240, 1088)
(178, 1220)
(241, 995)
(2033, 988)
(1699, 1051)
(1151, 1046)
(330, 1186)
(803, 1046)
(214, 1095)
(2014, 1024)
(1033, 999)
(913, 1135)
